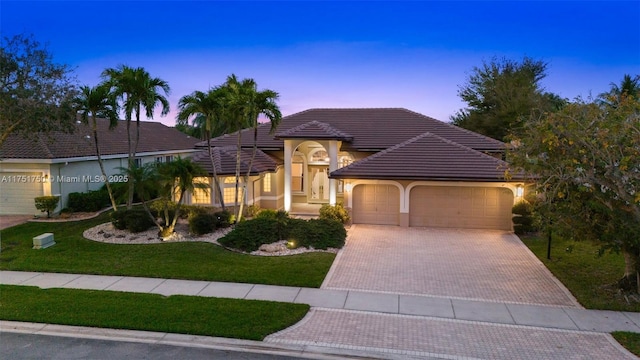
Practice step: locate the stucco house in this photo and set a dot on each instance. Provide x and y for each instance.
(388, 166)
(60, 163)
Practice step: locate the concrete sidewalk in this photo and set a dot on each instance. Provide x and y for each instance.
(539, 316)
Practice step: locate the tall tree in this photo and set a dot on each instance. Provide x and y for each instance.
(138, 92)
(246, 104)
(629, 86)
(586, 162)
(501, 94)
(207, 111)
(91, 103)
(35, 91)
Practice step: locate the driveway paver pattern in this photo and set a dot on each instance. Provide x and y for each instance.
(443, 338)
(453, 263)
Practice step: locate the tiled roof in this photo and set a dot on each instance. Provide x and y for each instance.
(371, 129)
(154, 137)
(427, 157)
(225, 160)
(314, 130)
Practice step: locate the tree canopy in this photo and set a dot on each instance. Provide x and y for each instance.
(35, 91)
(501, 94)
(585, 159)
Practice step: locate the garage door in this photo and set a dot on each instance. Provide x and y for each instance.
(17, 192)
(376, 204)
(461, 207)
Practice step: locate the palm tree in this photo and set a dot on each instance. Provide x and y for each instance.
(169, 179)
(93, 102)
(207, 110)
(629, 86)
(246, 105)
(176, 178)
(137, 91)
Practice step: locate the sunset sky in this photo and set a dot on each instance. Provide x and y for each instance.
(338, 54)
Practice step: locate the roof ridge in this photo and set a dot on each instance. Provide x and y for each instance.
(330, 129)
(457, 127)
(41, 141)
(466, 148)
(416, 138)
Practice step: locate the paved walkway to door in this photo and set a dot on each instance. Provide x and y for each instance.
(482, 265)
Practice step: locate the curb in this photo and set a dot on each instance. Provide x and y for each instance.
(206, 342)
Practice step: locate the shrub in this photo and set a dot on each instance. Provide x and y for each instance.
(189, 211)
(88, 202)
(134, 220)
(251, 211)
(281, 218)
(117, 219)
(203, 223)
(335, 212)
(224, 218)
(319, 234)
(47, 203)
(249, 235)
(138, 220)
(523, 219)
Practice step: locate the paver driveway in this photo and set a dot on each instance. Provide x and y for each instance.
(488, 266)
(454, 263)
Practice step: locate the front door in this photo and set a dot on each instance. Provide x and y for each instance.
(319, 186)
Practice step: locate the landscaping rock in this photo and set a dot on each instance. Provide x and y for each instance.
(271, 248)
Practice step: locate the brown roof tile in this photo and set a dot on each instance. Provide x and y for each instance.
(225, 160)
(371, 129)
(154, 137)
(427, 157)
(314, 130)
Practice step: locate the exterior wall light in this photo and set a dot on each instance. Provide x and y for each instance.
(347, 187)
(519, 191)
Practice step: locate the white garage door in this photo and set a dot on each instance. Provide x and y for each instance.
(461, 207)
(17, 192)
(376, 204)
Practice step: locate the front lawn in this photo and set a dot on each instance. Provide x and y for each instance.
(240, 319)
(186, 260)
(589, 277)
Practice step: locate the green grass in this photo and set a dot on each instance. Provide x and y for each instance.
(241, 319)
(591, 278)
(630, 340)
(187, 260)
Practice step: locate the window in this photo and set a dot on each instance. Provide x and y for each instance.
(229, 191)
(266, 183)
(137, 162)
(159, 159)
(297, 174)
(168, 158)
(319, 156)
(201, 195)
(345, 160)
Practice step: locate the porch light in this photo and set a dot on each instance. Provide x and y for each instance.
(347, 187)
(519, 191)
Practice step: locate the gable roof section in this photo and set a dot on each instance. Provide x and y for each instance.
(154, 137)
(427, 157)
(225, 160)
(314, 130)
(372, 129)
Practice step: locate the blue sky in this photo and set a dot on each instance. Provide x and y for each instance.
(338, 54)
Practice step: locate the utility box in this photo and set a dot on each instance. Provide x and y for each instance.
(43, 241)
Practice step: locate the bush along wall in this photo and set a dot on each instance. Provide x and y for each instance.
(89, 201)
(315, 233)
(523, 218)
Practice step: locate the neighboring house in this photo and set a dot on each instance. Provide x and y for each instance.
(60, 163)
(388, 166)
